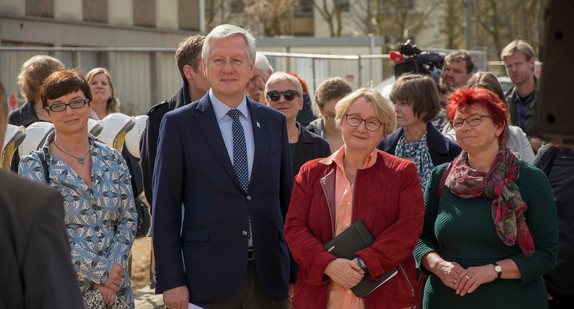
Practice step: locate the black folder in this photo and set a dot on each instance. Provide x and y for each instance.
(355, 238)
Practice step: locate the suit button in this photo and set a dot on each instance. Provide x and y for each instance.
(248, 197)
(244, 233)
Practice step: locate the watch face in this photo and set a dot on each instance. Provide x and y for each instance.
(498, 268)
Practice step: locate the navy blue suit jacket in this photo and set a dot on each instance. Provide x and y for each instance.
(441, 148)
(193, 169)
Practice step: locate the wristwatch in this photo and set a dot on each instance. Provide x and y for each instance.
(498, 270)
(362, 265)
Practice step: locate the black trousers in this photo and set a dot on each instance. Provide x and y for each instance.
(560, 301)
(250, 295)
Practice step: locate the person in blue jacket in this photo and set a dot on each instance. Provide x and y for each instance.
(417, 102)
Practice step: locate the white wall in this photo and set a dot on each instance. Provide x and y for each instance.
(166, 14)
(16, 7)
(68, 9)
(120, 12)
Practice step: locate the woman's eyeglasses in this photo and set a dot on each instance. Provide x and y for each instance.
(472, 121)
(60, 107)
(275, 95)
(370, 125)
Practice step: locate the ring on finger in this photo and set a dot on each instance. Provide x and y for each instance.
(467, 277)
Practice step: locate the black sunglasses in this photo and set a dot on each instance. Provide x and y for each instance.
(287, 94)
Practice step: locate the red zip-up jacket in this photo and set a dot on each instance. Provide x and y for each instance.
(388, 198)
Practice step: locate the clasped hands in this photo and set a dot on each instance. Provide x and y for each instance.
(112, 284)
(346, 273)
(464, 280)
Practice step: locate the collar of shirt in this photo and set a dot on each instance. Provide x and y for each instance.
(221, 109)
(524, 101)
(225, 126)
(338, 156)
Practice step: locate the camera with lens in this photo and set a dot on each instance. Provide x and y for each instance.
(410, 59)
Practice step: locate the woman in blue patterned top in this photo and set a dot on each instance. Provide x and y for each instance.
(95, 182)
(417, 103)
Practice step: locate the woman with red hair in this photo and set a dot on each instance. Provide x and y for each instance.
(490, 229)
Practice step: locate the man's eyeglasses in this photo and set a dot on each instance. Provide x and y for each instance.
(472, 121)
(220, 62)
(275, 95)
(60, 107)
(370, 125)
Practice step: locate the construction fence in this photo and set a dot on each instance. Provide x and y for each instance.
(143, 77)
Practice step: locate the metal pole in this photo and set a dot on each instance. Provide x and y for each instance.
(201, 16)
(313, 66)
(360, 72)
(468, 28)
(372, 52)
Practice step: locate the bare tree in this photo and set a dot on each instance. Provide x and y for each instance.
(397, 20)
(502, 21)
(490, 22)
(453, 28)
(534, 21)
(331, 12)
(272, 14)
(218, 12)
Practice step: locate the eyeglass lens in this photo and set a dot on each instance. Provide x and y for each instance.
(472, 121)
(59, 107)
(276, 95)
(355, 121)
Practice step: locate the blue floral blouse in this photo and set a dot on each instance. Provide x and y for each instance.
(101, 221)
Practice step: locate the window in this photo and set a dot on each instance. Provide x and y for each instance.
(304, 9)
(344, 5)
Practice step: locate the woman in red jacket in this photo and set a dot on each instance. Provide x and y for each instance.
(356, 182)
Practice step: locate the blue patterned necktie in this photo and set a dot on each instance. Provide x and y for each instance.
(239, 150)
(240, 156)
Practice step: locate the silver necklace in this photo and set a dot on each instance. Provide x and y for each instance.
(80, 159)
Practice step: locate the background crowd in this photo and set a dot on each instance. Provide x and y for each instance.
(248, 177)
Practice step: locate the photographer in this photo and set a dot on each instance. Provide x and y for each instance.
(456, 72)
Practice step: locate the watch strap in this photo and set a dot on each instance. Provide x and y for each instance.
(498, 270)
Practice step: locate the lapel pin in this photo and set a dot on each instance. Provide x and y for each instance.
(258, 125)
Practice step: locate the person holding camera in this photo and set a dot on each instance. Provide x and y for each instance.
(456, 72)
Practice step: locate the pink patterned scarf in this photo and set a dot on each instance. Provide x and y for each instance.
(499, 184)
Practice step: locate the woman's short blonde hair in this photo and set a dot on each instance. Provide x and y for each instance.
(281, 76)
(384, 111)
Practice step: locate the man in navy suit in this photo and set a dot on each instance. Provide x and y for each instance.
(225, 160)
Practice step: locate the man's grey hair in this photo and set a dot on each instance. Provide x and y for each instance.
(227, 31)
(262, 63)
